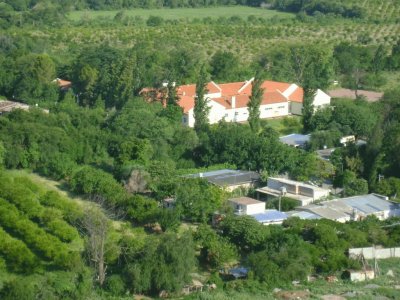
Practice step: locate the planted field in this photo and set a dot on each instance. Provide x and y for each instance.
(39, 225)
(184, 13)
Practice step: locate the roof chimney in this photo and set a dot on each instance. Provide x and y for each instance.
(233, 102)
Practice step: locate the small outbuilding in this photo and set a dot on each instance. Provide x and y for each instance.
(296, 140)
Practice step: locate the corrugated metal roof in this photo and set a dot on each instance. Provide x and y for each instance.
(227, 177)
(270, 216)
(304, 215)
(369, 204)
(295, 139)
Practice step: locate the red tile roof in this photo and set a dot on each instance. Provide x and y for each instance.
(269, 85)
(190, 89)
(273, 93)
(64, 84)
(297, 95)
(231, 89)
(186, 102)
(271, 97)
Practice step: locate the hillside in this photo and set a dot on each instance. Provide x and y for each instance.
(38, 234)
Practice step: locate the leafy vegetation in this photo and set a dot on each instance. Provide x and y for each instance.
(123, 154)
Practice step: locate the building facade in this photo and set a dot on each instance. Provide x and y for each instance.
(228, 101)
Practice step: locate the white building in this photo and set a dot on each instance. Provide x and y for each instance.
(251, 207)
(228, 101)
(302, 192)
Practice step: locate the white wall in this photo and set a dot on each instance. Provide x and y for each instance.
(257, 208)
(274, 110)
(236, 114)
(321, 99)
(213, 95)
(188, 118)
(216, 112)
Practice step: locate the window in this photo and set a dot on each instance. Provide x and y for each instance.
(268, 108)
(184, 119)
(226, 115)
(236, 113)
(281, 106)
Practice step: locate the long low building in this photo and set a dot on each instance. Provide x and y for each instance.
(229, 179)
(302, 192)
(350, 209)
(228, 101)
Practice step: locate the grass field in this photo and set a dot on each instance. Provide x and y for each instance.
(286, 125)
(184, 13)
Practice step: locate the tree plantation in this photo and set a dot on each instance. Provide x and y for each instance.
(106, 194)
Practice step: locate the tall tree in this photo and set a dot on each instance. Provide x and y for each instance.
(308, 108)
(201, 108)
(255, 102)
(172, 98)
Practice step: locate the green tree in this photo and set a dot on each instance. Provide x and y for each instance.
(254, 103)
(225, 66)
(245, 232)
(173, 97)
(201, 108)
(308, 109)
(215, 250)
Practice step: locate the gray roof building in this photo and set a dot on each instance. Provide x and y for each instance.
(295, 140)
(353, 208)
(229, 179)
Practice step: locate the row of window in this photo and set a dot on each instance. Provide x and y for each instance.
(237, 113)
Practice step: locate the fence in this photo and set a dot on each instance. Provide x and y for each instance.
(372, 252)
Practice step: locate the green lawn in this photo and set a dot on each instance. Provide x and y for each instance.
(182, 13)
(286, 125)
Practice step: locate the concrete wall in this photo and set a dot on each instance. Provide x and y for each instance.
(362, 275)
(318, 194)
(296, 108)
(306, 191)
(274, 110)
(249, 209)
(255, 208)
(371, 252)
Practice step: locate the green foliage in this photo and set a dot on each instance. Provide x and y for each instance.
(287, 204)
(94, 182)
(201, 109)
(164, 264)
(17, 255)
(245, 232)
(196, 199)
(115, 285)
(48, 246)
(215, 250)
(254, 103)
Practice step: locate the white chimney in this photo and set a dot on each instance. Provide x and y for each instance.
(183, 93)
(233, 102)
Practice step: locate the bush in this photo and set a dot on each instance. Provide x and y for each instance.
(154, 21)
(116, 285)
